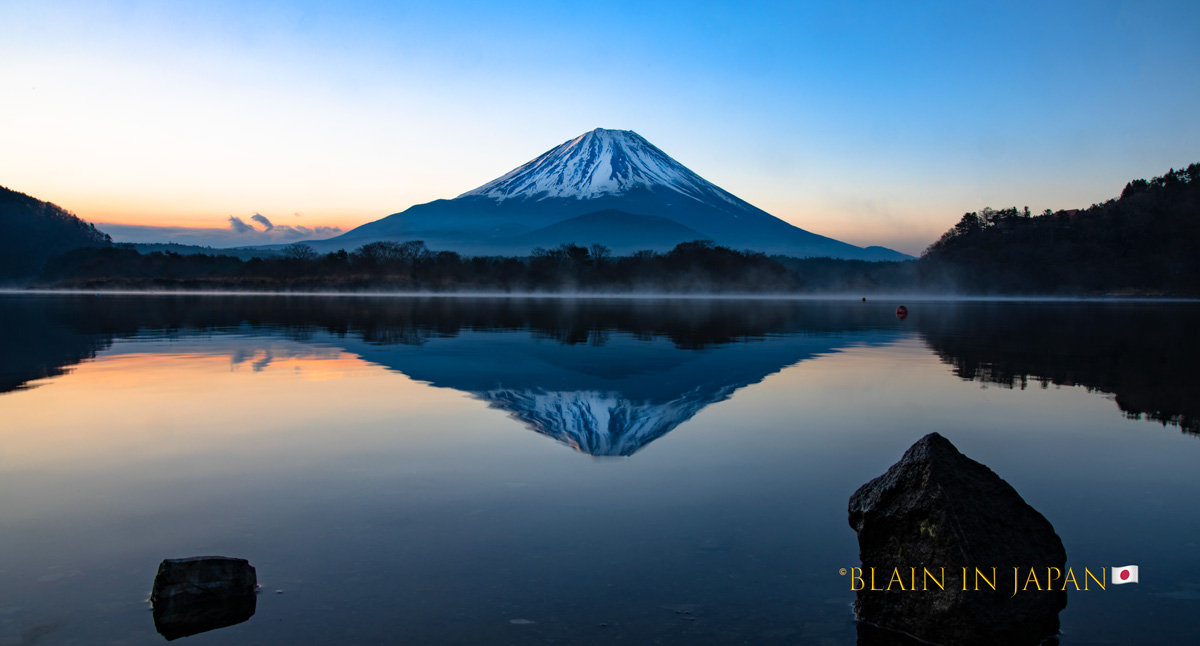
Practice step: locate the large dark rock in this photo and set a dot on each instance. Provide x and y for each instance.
(938, 508)
(202, 593)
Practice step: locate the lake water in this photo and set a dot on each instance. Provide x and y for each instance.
(524, 471)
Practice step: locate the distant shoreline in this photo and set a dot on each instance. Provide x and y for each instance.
(871, 298)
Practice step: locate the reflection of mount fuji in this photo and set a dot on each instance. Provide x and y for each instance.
(609, 376)
(604, 377)
(608, 398)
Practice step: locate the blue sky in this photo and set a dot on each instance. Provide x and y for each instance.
(876, 123)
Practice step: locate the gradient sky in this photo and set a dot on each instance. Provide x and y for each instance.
(875, 123)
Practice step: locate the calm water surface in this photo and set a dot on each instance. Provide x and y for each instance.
(550, 471)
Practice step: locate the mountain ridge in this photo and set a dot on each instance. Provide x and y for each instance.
(599, 170)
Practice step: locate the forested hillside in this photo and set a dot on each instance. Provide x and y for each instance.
(33, 231)
(1144, 242)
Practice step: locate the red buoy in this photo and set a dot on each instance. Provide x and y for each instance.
(902, 312)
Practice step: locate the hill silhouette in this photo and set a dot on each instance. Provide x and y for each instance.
(35, 231)
(1143, 242)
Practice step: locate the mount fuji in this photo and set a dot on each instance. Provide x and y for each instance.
(609, 187)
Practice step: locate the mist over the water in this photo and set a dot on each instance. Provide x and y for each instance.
(403, 458)
(1127, 347)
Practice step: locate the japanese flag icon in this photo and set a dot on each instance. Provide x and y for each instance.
(1126, 574)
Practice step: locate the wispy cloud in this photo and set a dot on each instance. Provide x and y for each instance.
(239, 226)
(237, 232)
(262, 219)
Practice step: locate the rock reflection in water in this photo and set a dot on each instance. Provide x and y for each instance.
(202, 593)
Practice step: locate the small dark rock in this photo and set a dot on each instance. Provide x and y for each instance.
(938, 508)
(202, 593)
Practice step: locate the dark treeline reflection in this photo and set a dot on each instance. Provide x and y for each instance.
(1144, 355)
(604, 377)
(40, 338)
(689, 323)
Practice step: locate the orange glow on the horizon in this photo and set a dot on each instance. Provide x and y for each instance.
(189, 213)
(895, 231)
(121, 408)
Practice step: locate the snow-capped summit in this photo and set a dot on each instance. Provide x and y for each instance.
(599, 163)
(605, 187)
(600, 423)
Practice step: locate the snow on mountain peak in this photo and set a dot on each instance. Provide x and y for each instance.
(599, 163)
(601, 423)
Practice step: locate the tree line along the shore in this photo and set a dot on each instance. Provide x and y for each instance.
(1140, 243)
